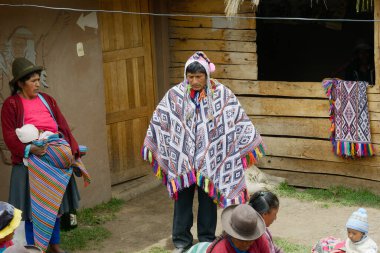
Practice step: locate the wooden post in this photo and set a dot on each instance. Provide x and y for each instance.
(376, 16)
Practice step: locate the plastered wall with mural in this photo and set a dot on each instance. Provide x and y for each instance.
(67, 44)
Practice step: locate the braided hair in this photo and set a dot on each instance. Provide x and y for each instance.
(264, 201)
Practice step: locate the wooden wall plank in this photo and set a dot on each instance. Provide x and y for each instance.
(324, 181)
(223, 71)
(123, 54)
(285, 106)
(343, 168)
(282, 88)
(302, 127)
(292, 126)
(377, 44)
(214, 45)
(217, 58)
(310, 149)
(122, 90)
(217, 22)
(294, 107)
(212, 34)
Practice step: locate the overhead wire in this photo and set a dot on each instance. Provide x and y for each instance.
(189, 15)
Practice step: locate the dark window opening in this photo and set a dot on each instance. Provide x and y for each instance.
(299, 51)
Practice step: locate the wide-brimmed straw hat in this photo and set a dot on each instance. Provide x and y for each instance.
(22, 67)
(242, 222)
(10, 218)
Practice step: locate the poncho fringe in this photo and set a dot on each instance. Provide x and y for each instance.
(194, 177)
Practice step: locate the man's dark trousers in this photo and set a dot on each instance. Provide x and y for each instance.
(183, 218)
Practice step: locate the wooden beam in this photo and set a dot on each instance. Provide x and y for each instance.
(212, 34)
(311, 149)
(292, 126)
(217, 22)
(271, 88)
(344, 168)
(294, 107)
(129, 114)
(123, 54)
(282, 88)
(325, 181)
(217, 58)
(223, 71)
(209, 7)
(212, 45)
(377, 44)
(285, 107)
(302, 127)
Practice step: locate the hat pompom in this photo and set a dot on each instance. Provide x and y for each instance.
(212, 67)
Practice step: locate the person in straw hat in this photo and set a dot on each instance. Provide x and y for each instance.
(243, 233)
(28, 191)
(10, 218)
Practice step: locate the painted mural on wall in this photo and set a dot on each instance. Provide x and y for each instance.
(24, 42)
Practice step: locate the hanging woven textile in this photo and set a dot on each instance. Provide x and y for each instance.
(350, 125)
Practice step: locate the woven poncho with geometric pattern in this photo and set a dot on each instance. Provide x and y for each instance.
(211, 153)
(350, 124)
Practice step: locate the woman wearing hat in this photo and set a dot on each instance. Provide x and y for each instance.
(27, 105)
(243, 229)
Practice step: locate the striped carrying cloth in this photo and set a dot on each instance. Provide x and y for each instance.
(350, 124)
(48, 178)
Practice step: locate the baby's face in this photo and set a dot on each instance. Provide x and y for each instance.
(354, 235)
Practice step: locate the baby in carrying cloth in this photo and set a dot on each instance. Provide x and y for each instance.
(29, 134)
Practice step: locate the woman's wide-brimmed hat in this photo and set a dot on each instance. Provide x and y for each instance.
(22, 67)
(243, 222)
(10, 218)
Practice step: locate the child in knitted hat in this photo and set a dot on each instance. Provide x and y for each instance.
(357, 231)
(10, 218)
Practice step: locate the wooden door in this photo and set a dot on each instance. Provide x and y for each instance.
(129, 87)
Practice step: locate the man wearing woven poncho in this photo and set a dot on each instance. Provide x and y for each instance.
(200, 138)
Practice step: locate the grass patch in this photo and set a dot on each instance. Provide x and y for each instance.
(100, 214)
(84, 238)
(338, 195)
(158, 250)
(89, 234)
(289, 247)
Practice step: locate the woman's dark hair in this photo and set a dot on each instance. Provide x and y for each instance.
(14, 86)
(264, 201)
(195, 67)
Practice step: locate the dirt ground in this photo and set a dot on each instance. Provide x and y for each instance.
(146, 222)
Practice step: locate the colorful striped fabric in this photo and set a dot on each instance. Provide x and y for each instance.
(48, 178)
